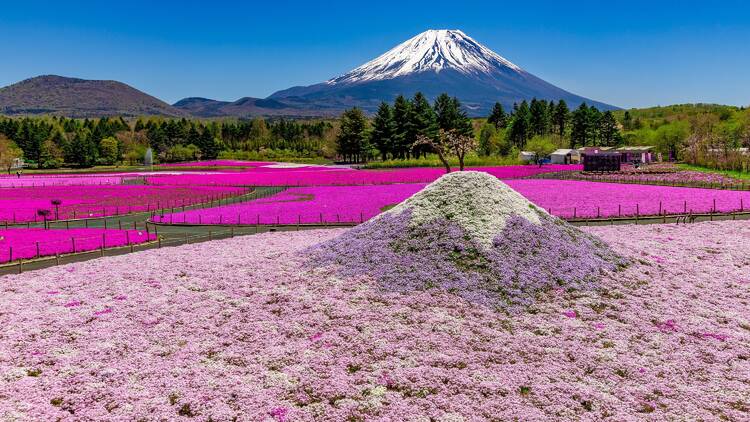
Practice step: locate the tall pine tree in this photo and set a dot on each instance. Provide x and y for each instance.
(609, 132)
(423, 122)
(520, 126)
(560, 118)
(402, 123)
(383, 130)
(498, 118)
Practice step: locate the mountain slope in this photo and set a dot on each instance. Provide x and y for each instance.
(433, 62)
(244, 107)
(74, 97)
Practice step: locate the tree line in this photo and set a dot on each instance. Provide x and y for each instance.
(538, 125)
(51, 142)
(707, 135)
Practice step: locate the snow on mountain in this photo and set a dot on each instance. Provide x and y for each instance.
(431, 51)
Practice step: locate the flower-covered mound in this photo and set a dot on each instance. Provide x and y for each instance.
(240, 330)
(470, 234)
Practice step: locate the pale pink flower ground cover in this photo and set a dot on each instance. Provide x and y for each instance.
(310, 205)
(243, 329)
(21, 204)
(22, 243)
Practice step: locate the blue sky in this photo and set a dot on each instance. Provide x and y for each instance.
(629, 54)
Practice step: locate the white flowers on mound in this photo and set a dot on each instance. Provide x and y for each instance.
(478, 202)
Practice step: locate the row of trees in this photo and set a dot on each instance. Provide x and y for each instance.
(397, 127)
(584, 126)
(707, 135)
(51, 142)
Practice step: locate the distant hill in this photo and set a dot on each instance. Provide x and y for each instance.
(73, 97)
(246, 107)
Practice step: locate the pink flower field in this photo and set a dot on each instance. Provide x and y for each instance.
(59, 180)
(241, 329)
(310, 205)
(20, 205)
(322, 176)
(568, 198)
(31, 243)
(564, 198)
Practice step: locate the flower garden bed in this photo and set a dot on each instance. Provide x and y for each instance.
(34, 243)
(243, 329)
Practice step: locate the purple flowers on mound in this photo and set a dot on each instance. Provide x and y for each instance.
(525, 260)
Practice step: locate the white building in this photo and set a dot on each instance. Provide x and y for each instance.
(565, 156)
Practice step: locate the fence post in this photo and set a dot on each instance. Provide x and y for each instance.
(127, 237)
(37, 250)
(73, 242)
(119, 224)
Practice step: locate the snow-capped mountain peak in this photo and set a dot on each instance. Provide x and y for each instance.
(431, 51)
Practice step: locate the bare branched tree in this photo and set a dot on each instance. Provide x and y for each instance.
(448, 143)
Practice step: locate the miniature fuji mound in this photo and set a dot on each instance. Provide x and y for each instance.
(470, 234)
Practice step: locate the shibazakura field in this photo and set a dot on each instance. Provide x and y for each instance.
(454, 298)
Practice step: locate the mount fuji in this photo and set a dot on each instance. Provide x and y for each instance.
(432, 62)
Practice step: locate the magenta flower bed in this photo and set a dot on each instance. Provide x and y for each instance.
(567, 198)
(322, 176)
(22, 243)
(60, 180)
(20, 205)
(310, 205)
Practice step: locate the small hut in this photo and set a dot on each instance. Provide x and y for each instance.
(601, 161)
(636, 154)
(565, 156)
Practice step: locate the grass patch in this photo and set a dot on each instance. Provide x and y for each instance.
(731, 173)
(433, 161)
